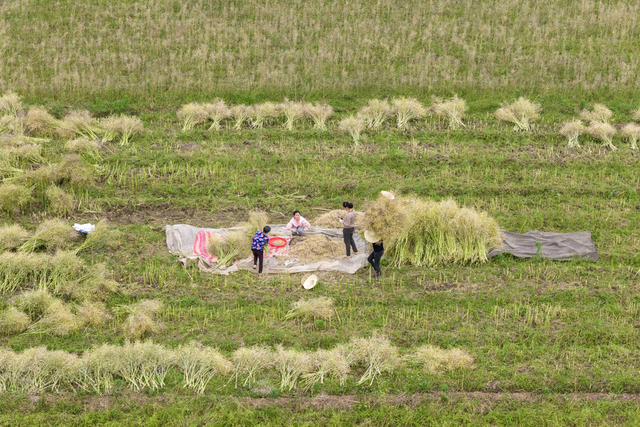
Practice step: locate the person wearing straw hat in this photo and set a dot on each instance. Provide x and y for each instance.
(378, 250)
(348, 227)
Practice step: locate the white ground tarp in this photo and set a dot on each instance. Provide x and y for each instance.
(181, 237)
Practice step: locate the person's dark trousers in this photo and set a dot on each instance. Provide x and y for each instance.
(374, 260)
(258, 255)
(347, 233)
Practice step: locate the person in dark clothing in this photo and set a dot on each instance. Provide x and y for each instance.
(349, 224)
(257, 246)
(375, 256)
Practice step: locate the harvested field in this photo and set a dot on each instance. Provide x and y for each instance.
(134, 116)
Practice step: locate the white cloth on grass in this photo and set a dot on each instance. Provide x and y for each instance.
(84, 228)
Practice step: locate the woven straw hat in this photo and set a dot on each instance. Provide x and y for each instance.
(388, 194)
(371, 237)
(309, 281)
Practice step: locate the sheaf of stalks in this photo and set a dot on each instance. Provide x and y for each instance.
(522, 113)
(12, 237)
(241, 114)
(314, 308)
(442, 233)
(50, 235)
(406, 110)
(376, 354)
(82, 145)
(603, 132)
(631, 132)
(599, 113)
(293, 111)
(13, 321)
(38, 122)
(18, 270)
(70, 170)
(11, 125)
(217, 111)
(199, 365)
(14, 198)
(103, 236)
(386, 217)
(249, 362)
(263, 113)
(452, 109)
(144, 365)
(93, 313)
(142, 319)
(375, 113)
(122, 127)
(353, 126)
(79, 123)
(327, 363)
(98, 369)
(572, 130)
(10, 104)
(63, 274)
(191, 115)
(36, 370)
(57, 320)
(291, 365)
(319, 114)
(26, 153)
(59, 202)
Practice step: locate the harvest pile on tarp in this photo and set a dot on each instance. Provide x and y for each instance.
(330, 219)
(236, 244)
(315, 248)
(189, 242)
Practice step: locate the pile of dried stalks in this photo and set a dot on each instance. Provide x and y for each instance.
(237, 243)
(330, 219)
(316, 248)
(424, 232)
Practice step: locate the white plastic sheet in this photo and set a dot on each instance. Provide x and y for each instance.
(180, 239)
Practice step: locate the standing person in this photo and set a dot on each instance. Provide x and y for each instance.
(375, 256)
(298, 224)
(348, 227)
(257, 246)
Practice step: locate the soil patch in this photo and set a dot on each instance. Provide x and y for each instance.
(413, 400)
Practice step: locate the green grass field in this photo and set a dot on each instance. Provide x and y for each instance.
(553, 343)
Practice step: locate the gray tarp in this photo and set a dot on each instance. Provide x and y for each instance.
(180, 240)
(558, 246)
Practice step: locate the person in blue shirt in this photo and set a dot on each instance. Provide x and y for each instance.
(257, 246)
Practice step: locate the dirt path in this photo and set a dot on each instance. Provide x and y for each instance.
(325, 401)
(347, 401)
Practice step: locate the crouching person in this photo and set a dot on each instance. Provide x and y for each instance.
(257, 247)
(297, 225)
(376, 256)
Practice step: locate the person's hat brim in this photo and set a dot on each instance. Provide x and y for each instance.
(371, 237)
(388, 194)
